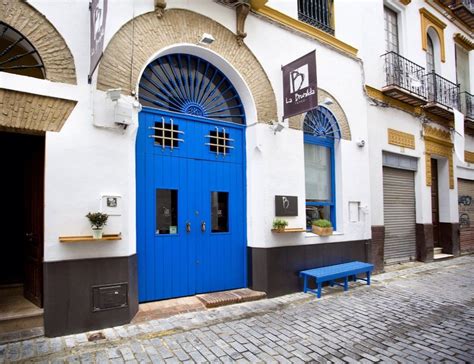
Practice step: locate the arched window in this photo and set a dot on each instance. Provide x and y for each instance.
(17, 54)
(430, 55)
(190, 85)
(320, 131)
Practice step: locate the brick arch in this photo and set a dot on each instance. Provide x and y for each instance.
(296, 122)
(152, 33)
(57, 58)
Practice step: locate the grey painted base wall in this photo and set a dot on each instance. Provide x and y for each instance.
(275, 270)
(69, 300)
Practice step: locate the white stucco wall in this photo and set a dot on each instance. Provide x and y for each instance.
(84, 162)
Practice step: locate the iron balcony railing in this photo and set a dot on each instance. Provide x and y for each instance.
(442, 91)
(467, 101)
(469, 4)
(405, 74)
(317, 13)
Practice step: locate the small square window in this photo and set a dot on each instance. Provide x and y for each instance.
(167, 135)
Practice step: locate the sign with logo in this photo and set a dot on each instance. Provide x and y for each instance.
(98, 13)
(300, 87)
(286, 206)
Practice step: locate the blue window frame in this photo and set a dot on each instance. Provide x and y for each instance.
(320, 131)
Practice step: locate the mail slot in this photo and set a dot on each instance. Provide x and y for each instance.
(108, 297)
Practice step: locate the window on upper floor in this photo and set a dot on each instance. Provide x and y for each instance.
(391, 30)
(318, 13)
(462, 69)
(430, 55)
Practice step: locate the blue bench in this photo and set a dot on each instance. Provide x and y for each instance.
(333, 272)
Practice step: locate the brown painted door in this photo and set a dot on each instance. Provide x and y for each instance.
(435, 201)
(33, 208)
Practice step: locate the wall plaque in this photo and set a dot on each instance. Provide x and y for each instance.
(286, 206)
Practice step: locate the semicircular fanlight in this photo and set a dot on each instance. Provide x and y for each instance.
(17, 54)
(320, 122)
(190, 85)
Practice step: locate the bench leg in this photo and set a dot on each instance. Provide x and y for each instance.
(346, 285)
(305, 284)
(368, 278)
(319, 289)
(331, 283)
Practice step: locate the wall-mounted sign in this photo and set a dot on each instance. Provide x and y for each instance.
(300, 87)
(98, 15)
(286, 206)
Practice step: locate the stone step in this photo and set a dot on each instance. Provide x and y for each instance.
(438, 257)
(11, 290)
(437, 251)
(216, 299)
(21, 322)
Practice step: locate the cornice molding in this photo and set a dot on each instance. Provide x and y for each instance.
(463, 41)
(307, 29)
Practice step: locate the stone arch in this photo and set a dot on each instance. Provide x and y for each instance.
(296, 122)
(57, 58)
(151, 34)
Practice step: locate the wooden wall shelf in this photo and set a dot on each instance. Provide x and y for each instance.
(88, 238)
(289, 230)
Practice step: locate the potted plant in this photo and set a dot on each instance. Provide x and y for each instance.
(98, 220)
(279, 225)
(322, 227)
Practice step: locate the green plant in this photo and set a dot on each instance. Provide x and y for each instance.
(97, 219)
(279, 224)
(322, 223)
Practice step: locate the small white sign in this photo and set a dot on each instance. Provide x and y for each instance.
(111, 205)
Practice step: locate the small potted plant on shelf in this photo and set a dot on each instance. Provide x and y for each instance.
(279, 225)
(98, 220)
(322, 227)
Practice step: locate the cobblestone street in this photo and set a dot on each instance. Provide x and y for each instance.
(422, 314)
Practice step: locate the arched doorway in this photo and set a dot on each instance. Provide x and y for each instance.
(190, 180)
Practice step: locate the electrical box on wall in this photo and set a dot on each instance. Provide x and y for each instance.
(112, 110)
(108, 297)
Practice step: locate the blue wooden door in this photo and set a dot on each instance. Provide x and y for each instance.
(190, 205)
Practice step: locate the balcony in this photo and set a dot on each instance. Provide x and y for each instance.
(317, 13)
(404, 80)
(462, 9)
(443, 96)
(467, 104)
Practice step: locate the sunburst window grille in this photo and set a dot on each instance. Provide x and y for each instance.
(320, 122)
(187, 84)
(17, 54)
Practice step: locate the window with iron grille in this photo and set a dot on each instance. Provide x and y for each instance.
(318, 13)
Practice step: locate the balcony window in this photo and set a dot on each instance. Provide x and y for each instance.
(318, 13)
(391, 30)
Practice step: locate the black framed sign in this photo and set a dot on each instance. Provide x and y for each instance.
(300, 87)
(286, 206)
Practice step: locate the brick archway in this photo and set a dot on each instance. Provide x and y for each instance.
(296, 122)
(56, 56)
(118, 70)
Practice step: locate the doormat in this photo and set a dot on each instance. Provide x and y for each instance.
(216, 299)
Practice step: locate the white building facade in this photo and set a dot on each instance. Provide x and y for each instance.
(180, 143)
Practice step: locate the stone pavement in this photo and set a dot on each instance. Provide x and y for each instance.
(421, 314)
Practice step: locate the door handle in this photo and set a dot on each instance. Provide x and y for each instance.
(203, 226)
(188, 227)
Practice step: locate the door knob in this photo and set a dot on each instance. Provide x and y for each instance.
(203, 226)
(188, 227)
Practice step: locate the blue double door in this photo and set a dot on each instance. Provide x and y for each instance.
(190, 206)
